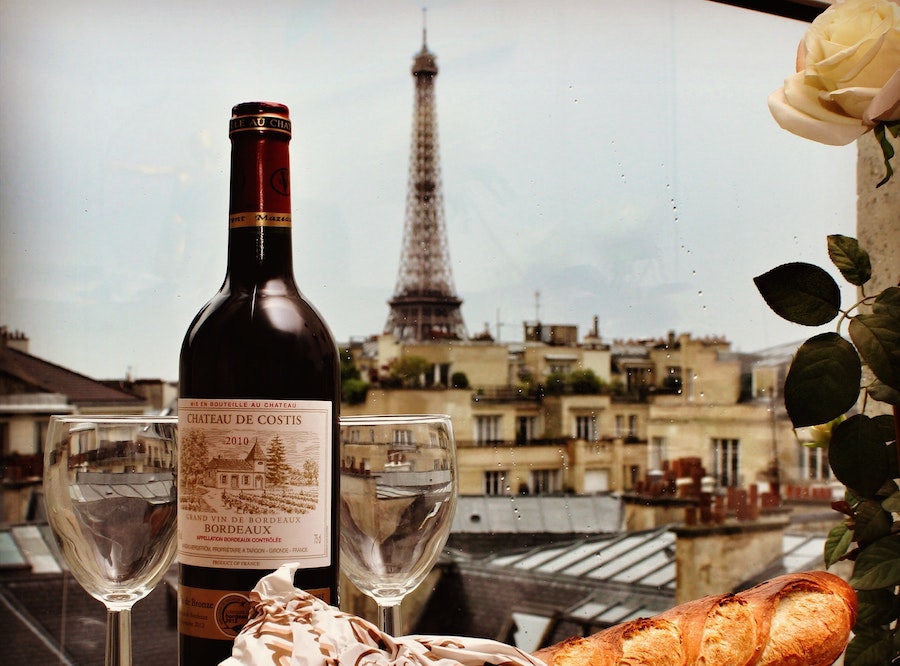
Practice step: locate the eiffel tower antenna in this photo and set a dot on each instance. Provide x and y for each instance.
(425, 306)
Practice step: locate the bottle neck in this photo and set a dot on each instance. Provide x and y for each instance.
(259, 211)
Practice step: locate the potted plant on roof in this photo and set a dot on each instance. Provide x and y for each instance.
(847, 84)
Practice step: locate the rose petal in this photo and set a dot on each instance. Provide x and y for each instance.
(886, 104)
(803, 93)
(868, 63)
(800, 61)
(853, 101)
(806, 94)
(801, 124)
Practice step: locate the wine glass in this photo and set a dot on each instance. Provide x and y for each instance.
(398, 493)
(110, 490)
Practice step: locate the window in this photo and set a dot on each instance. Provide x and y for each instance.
(487, 430)
(814, 464)
(495, 482)
(633, 474)
(4, 439)
(40, 434)
(544, 481)
(638, 378)
(632, 425)
(586, 427)
(402, 438)
(657, 452)
(439, 375)
(620, 424)
(726, 462)
(525, 429)
(672, 380)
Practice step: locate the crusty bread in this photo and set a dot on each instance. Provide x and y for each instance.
(799, 619)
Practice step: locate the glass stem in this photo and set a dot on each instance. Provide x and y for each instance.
(118, 637)
(389, 619)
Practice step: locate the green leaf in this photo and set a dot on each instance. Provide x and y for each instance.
(889, 487)
(888, 303)
(851, 497)
(883, 393)
(801, 293)
(885, 425)
(878, 565)
(869, 648)
(892, 503)
(877, 338)
(858, 456)
(838, 543)
(872, 522)
(851, 260)
(887, 149)
(823, 380)
(877, 608)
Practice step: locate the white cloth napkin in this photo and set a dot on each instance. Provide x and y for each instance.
(289, 627)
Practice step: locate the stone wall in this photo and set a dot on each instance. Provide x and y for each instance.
(878, 213)
(878, 221)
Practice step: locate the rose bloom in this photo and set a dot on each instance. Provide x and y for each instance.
(848, 73)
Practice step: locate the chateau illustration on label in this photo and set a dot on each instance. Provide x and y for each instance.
(272, 474)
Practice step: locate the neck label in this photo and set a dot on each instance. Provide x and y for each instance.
(259, 219)
(260, 122)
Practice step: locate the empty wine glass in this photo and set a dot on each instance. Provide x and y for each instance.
(110, 490)
(398, 493)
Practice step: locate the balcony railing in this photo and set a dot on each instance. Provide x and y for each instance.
(505, 394)
(544, 441)
(510, 443)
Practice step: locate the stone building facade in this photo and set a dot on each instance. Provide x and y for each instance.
(521, 429)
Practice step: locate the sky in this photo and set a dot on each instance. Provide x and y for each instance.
(599, 158)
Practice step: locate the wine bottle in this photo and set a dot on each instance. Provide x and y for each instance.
(258, 408)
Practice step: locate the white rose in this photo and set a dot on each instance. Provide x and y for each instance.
(848, 73)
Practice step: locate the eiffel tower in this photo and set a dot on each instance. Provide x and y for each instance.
(425, 307)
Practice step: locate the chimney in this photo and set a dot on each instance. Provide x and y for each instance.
(716, 557)
(14, 339)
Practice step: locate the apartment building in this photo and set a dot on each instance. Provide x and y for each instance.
(556, 413)
(31, 390)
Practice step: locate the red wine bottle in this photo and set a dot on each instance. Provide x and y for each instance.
(258, 408)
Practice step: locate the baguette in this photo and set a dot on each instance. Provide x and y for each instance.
(801, 619)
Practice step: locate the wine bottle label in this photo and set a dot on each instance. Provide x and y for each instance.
(238, 220)
(253, 483)
(219, 614)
